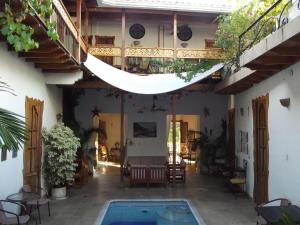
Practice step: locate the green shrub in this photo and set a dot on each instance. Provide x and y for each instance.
(60, 146)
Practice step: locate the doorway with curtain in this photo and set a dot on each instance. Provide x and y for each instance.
(260, 148)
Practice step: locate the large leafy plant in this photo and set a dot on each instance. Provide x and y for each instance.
(17, 32)
(232, 25)
(60, 153)
(12, 126)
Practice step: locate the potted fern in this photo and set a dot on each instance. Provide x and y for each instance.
(59, 165)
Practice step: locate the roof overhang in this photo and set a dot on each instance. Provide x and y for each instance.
(216, 6)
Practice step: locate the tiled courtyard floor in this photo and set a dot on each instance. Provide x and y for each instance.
(207, 194)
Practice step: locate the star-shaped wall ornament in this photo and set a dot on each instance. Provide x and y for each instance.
(95, 111)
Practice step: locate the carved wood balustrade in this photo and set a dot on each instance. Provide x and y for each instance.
(145, 52)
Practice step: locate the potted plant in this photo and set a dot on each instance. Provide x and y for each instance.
(60, 146)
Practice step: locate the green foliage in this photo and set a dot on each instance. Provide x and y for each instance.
(12, 130)
(87, 139)
(232, 25)
(17, 33)
(60, 153)
(12, 127)
(213, 148)
(286, 220)
(187, 71)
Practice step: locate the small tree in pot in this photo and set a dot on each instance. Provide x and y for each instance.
(60, 154)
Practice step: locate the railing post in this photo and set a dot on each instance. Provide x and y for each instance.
(123, 40)
(175, 36)
(78, 25)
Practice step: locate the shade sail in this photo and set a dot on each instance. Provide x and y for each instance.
(141, 84)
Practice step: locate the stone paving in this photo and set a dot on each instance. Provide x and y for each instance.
(207, 193)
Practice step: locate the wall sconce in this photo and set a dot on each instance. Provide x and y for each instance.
(285, 102)
(136, 43)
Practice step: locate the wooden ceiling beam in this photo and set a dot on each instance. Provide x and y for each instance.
(263, 67)
(41, 55)
(49, 60)
(286, 51)
(274, 60)
(55, 66)
(72, 70)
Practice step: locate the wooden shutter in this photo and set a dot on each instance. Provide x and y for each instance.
(261, 148)
(33, 146)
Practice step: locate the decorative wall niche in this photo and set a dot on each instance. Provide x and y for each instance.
(184, 33)
(137, 31)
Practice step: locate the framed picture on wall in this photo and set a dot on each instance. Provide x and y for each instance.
(144, 130)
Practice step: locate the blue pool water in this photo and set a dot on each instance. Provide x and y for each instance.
(149, 213)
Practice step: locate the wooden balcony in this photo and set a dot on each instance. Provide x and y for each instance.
(145, 52)
(61, 56)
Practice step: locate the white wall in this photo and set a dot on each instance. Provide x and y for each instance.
(192, 104)
(26, 81)
(113, 28)
(284, 135)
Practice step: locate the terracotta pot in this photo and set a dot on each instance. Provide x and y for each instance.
(59, 193)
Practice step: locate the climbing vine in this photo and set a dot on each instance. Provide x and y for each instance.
(17, 32)
(230, 26)
(187, 71)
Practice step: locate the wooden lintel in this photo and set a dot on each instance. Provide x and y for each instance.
(92, 85)
(198, 87)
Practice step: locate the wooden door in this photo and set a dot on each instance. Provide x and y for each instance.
(106, 41)
(261, 149)
(231, 137)
(33, 146)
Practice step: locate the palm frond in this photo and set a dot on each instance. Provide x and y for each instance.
(12, 130)
(6, 88)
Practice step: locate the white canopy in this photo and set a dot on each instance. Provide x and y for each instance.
(142, 84)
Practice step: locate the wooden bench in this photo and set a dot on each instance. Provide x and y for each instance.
(142, 174)
(147, 170)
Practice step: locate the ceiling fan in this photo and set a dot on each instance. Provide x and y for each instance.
(154, 107)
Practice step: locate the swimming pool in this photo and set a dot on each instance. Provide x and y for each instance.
(149, 212)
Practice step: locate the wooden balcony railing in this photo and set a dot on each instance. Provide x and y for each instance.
(156, 52)
(67, 31)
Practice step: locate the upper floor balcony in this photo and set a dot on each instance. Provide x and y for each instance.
(62, 55)
(269, 45)
(147, 39)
